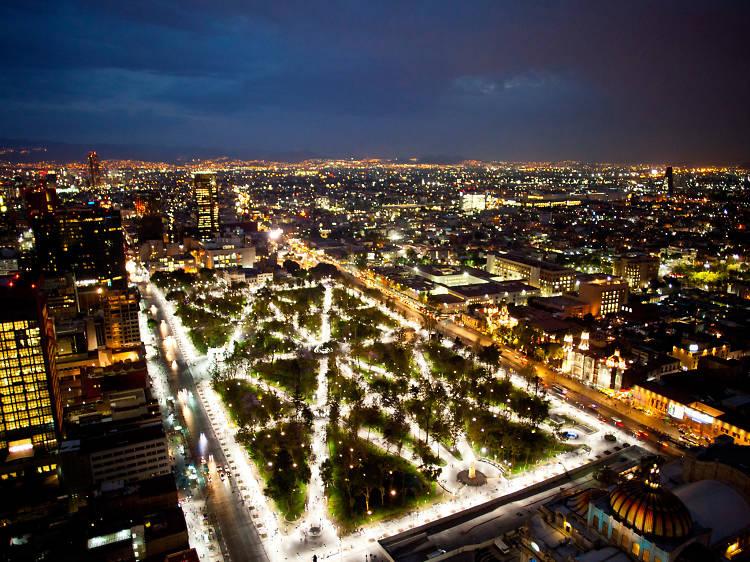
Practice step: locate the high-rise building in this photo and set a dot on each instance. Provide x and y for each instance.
(149, 217)
(473, 202)
(207, 204)
(30, 405)
(669, 176)
(121, 328)
(95, 172)
(86, 241)
(41, 195)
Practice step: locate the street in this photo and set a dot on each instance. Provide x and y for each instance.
(220, 498)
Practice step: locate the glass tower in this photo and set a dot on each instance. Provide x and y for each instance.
(30, 404)
(207, 204)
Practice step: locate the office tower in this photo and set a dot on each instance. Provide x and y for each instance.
(473, 202)
(95, 172)
(149, 217)
(207, 204)
(29, 394)
(147, 203)
(121, 328)
(86, 241)
(670, 181)
(41, 195)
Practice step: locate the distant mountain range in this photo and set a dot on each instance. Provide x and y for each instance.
(25, 151)
(30, 151)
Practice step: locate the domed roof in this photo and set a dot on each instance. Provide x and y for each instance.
(647, 507)
(579, 500)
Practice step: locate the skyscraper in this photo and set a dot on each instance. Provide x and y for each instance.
(207, 204)
(670, 181)
(87, 241)
(95, 172)
(30, 405)
(121, 318)
(41, 195)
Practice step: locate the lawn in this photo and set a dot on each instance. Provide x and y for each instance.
(206, 330)
(395, 358)
(282, 457)
(504, 440)
(352, 329)
(250, 406)
(366, 484)
(298, 376)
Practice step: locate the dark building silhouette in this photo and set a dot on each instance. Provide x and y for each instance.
(149, 217)
(95, 172)
(41, 195)
(669, 175)
(86, 241)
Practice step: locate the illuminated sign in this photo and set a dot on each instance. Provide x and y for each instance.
(675, 410)
(698, 416)
(20, 446)
(693, 348)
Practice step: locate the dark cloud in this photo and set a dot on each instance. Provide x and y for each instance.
(507, 80)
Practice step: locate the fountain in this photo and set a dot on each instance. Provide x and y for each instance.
(472, 477)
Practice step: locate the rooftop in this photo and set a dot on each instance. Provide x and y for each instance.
(520, 258)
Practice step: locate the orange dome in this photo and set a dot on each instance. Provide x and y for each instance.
(579, 501)
(651, 509)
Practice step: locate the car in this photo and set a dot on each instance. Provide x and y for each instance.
(618, 422)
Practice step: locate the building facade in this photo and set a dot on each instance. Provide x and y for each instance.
(86, 241)
(206, 193)
(130, 456)
(223, 255)
(551, 278)
(121, 327)
(592, 366)
(29, 388)
(638, 270)
(606, 296)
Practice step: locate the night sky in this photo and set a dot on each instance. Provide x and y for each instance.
(651, 81)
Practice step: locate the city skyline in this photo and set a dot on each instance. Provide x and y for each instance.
(438, 280)
(338, 358)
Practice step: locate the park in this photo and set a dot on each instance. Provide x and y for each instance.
(350, 415)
